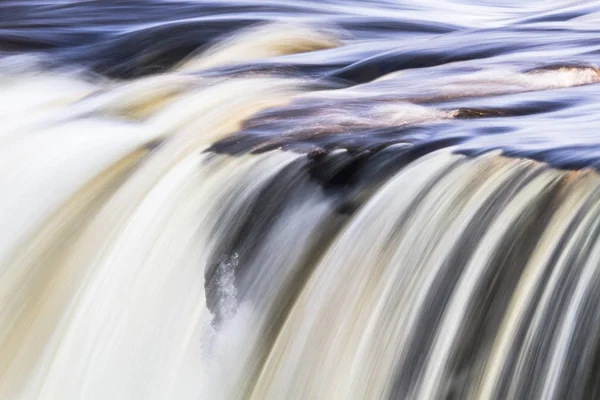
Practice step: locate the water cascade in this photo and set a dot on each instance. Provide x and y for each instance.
(309, 200)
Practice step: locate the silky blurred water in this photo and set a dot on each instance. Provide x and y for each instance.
(309, 199)
(448, 55)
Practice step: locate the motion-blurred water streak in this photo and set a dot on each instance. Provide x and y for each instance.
(330, 199)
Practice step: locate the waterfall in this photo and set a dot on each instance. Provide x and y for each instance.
(253, 222)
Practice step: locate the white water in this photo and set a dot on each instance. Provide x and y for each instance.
(436, 286)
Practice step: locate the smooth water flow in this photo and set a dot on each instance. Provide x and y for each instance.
(299, 200)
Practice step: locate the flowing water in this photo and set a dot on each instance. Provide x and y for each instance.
(334, 199)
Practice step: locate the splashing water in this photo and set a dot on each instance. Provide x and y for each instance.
(226, 290)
